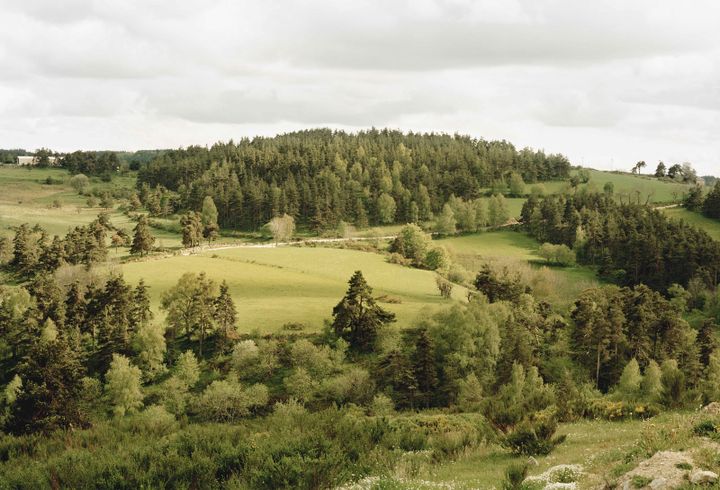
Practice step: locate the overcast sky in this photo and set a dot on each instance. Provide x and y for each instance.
(606, 82)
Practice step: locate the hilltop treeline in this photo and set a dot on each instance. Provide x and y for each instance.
(629, 243)
(322, 177)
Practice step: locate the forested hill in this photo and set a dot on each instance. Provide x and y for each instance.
(323, 176)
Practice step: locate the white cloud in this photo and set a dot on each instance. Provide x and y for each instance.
(607, 83)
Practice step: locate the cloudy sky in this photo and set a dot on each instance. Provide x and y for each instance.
(607, 83)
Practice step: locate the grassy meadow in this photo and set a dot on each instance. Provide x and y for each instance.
(711, 226)
(630, 187)
(27, 198)
(518, 252)
(275, 286)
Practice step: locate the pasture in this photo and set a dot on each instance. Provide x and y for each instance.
(518, 252)
(711, 226)
(629, 187)
(275, 286)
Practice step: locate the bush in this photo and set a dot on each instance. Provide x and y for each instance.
(534, 437)
(622, 410)
(227, 400)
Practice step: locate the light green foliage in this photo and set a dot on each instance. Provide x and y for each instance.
(382, 405)
(12, 390)
(386, 208)
(49, 331)
(282, 228)
(673, 392)
(301, 385)
(227, 400)
(122, 386)
(557, 254)
(412, 243)
(254, 360)
(628, 388)
(470, 394)
(149, 347)
(465, 213)
(316, 360)
(651, 385)
(516, 184)
(353, 386)
(187, 370)
(710, 385)
(155, 420)
(498, 213)
(446, 222)
(80, 182)
(244, 356)
(437, 258)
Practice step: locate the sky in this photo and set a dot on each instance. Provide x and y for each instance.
(606, 83)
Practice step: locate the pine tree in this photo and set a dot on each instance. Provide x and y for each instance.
(424, 368)
(711, 206)
(143, 240)
(225, 316)
(357, 318)
(52, 375)
(707, 341)
(140, 313)
(396, 373)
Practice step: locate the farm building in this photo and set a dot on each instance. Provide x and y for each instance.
(33, 160)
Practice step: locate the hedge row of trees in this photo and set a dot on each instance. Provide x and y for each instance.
(322, 177)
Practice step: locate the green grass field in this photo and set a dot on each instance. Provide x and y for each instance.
(274, 286)
(629, 186)
(519, 252)
(26, 198)
(711, 226)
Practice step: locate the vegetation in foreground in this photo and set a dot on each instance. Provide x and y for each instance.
(108, 382)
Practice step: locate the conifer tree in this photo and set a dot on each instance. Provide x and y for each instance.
(143, 240)
(357, 318)
(52, 375)
(225, 316)
(424, 368)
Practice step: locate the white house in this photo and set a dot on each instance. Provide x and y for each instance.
(33, 160)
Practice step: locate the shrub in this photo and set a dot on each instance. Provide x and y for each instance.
(227, 400)
(622, 410)
(534, 437)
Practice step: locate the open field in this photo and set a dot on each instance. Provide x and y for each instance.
(26, 198)
(275, 286)
(519, 252)
(628, 186)
(711, 226)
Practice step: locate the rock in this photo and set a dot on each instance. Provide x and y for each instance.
(699, 477)
(560, 486)
(712, 408)
(664, 469)
(532, 461)
(658, 484)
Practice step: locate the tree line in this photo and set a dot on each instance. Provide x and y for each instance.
(321, 177)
